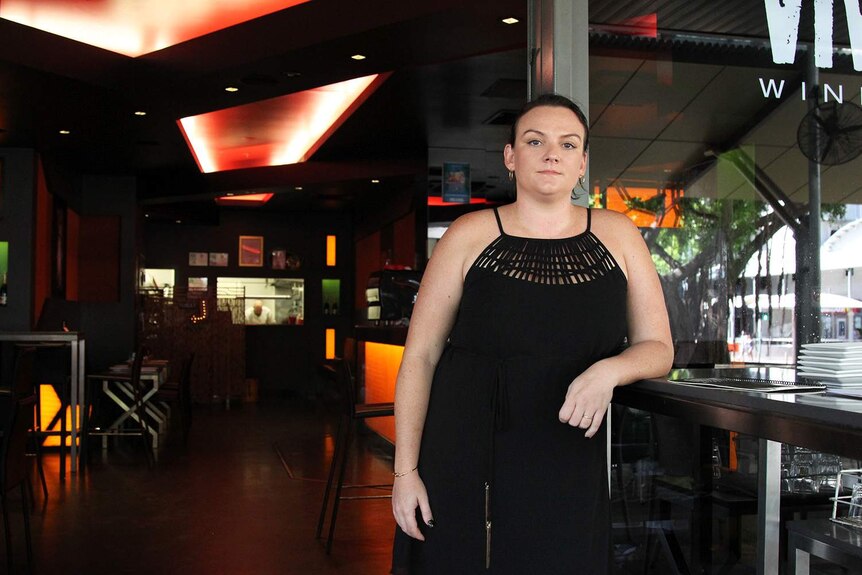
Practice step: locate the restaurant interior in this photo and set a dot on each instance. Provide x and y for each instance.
(220, 211)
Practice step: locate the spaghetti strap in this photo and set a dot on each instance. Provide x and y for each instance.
(589, 218)
(500, 224)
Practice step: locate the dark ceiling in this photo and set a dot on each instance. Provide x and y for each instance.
(454, 67)
(48, 83)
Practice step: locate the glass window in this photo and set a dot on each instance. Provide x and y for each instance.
(267, 301)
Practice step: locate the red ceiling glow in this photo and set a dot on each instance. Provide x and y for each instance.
(274, 132)
(438, 201)
(244, 200)
(645, 25)
(135, 28)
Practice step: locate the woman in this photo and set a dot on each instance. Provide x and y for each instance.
(527, 318)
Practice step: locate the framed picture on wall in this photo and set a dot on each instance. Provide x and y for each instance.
(198, 258)
(279, 259)
(251, 251)
(218, 259)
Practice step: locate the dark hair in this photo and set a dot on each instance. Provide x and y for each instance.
(557, 101)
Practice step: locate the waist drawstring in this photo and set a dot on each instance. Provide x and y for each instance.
(499, 422)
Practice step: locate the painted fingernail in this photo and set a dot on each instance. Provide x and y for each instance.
(430, 523)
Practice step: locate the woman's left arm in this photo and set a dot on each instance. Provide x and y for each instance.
(650, 350)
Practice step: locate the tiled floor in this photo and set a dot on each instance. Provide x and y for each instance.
(242, 499)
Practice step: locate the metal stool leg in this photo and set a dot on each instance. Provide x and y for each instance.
(336, 454)
(348, 436)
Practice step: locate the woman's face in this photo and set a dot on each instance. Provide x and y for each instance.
(548, 155)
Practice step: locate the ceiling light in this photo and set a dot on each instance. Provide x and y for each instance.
(135, 28)
(231, 89)
(510, 20)
(375, 181)
(274, 132)
(298, 188)
(244, 200)
(358, 57)
(140, 113)
(179, 221)
(65, 132)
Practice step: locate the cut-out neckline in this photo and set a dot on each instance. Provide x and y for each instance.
(563, 261)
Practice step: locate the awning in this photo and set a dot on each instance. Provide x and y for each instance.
(828, 301)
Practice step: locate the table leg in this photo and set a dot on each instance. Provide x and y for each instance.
(127, 409)
(768, 506)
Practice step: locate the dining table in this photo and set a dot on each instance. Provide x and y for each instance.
(75, 341)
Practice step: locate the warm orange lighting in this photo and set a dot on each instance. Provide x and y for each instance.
(50, 408)
(330, 251)
(646, 207)
(381, 370)
(244, 200)
(330, 344)
(277, 131)
(135, 28)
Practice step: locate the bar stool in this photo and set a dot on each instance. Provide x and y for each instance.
(351, 413)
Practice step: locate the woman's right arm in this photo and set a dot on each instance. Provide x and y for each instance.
(433, 316)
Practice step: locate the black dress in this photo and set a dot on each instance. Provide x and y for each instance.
(513, 490)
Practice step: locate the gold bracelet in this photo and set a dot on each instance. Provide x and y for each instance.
(396, 474)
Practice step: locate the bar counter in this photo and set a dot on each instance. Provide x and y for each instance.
(817, 421)
(379, 354)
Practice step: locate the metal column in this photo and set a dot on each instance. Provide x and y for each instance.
(559, 41)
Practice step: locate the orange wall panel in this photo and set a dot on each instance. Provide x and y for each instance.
(381, 370)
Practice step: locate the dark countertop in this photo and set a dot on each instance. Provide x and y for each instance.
(390, 334)
(814, 420)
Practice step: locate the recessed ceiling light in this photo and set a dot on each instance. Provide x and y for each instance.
(375, 181)
(65, 132)
(231, 89)
(146, 215)
(358, 57)
(179, 221)
(298, 188)
(510, 20)
(140, 113)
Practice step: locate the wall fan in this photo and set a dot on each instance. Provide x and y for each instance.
(831, 133)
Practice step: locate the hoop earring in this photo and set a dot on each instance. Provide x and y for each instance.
(511, 176)
(582, 181)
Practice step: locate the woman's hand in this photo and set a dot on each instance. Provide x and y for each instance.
(408, 493)
(588, 397)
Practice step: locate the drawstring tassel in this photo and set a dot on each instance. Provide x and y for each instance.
(487, 525)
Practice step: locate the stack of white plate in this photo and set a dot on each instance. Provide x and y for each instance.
(835, 364)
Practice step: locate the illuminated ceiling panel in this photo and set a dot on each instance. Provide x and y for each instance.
(274, 132)
(244, 200)
(135, 28)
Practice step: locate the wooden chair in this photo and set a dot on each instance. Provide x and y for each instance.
(13, 469)
(351, 413)
(23, 385)
(179, 394)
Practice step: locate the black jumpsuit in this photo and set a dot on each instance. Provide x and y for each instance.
(513, 490)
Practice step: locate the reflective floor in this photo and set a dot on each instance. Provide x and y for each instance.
(242, 498)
